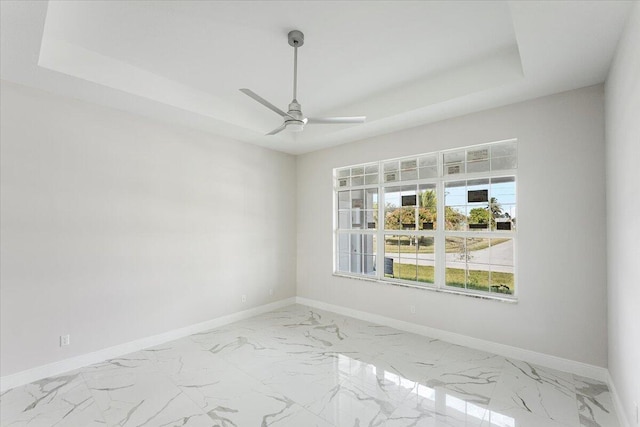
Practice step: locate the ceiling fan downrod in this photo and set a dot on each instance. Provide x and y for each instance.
(296, 40)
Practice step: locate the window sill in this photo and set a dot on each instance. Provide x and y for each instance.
(508, 300)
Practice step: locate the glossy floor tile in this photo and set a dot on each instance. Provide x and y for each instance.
(301, 367)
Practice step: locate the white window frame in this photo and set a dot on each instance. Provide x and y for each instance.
(439, 234)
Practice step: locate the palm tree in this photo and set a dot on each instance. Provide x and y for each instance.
(428, 200)
(495, 208)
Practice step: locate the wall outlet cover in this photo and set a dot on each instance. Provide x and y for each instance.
(65, 340)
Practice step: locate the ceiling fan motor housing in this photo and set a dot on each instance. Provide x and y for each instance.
(296, 120)
(295, 110)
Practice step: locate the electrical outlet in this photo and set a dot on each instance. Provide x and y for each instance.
(243, 298)
(65, 340)
(270, 291)
(412, 309)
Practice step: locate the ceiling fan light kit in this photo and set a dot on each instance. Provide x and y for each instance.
(294, 119)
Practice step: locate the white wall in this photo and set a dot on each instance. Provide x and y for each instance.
(116, 228)
(561, 220)
(623, 215)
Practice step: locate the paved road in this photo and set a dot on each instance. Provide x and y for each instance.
(501, 255)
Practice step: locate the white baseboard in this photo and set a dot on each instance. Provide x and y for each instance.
(554, 362)
(25, 377)
(617, 403)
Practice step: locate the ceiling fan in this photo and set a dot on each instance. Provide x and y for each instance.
(294, 120)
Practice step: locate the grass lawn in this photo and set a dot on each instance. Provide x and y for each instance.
(406, 249)
(408, 272)
(478, 279)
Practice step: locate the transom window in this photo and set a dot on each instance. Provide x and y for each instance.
(449, 219)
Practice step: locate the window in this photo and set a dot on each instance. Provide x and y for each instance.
(357, 194)
(449, 219)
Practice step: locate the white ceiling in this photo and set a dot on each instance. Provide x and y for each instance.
(399, 63)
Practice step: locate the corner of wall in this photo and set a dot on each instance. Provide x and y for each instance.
(622, 109)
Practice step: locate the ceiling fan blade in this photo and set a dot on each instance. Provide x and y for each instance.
(278, 129)
(337, 120)
(264, 102)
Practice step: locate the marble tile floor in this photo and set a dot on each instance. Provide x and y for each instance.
(300, 366)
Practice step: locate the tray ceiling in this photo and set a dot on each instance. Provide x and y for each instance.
(401, 64)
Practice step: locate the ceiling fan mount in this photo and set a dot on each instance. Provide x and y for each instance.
(294, 119)
(296, 38)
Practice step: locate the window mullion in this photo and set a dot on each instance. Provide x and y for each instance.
(380, 230)
(440, 236)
